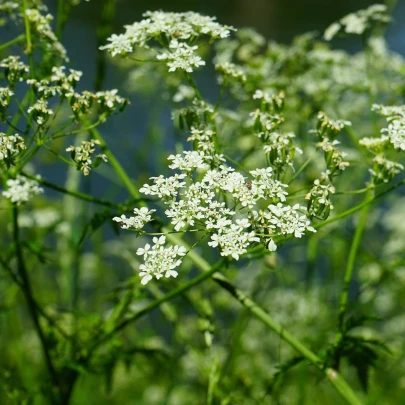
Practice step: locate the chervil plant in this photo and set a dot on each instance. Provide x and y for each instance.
(249, 268)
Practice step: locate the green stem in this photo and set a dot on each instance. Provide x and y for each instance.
(359, 206)
(104, 29)
(116, 165)
(155, 304)
(350, 265)
(60, 19)
(192, 84)
(31, 303)
(77, 194)
(38, 308)
(16, 40)
(333, 376)
(28, 42)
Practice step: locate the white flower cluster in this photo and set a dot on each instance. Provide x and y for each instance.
(280, 149)
(8, 6)
(10, 146)
(375, 145)
(204, 139)
(181, 56)
(333, 156)
(188, 161)
(183, 93)
(82, 155)
(21, 189)
(14, 70)
(159, 260)
(109, 100)
(40, 111)
(230, 71)
(39, 218)
(5, 95)
(280, 220)
(137, 222)
(326, 130)
(360, 22)
(200, 203)
(233, 239)
(395, 131)
(329, 127)
(62, 83)
(319, 203)
(277, 100)
(40, 26)
(384, 170)
(177, 28)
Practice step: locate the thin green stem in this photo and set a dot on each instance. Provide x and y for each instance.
(350, 265)
(78, 194)
(116, 165)
(302, 168)
(28, 41)
(31, 303)
(14, 41)
(193, 85)
(333, 376)
(58, 155)
(61, 18)
(155, 304)
(359, 206)
(38, 308)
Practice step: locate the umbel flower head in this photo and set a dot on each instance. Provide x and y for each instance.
(179, 30)
(21, 189)
(360, 22)
(82, 155)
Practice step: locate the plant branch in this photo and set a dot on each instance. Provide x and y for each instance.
(31, 303)
(333, 376)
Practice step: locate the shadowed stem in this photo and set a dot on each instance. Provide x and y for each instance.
(344, 297)
(31, 303)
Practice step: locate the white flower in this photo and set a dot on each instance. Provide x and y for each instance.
(40, 111)
(229, 70)
(166, 188)
(82, 155)
(282, 220)
(384, 170)
(395, 116)
(331, 31)
(109, 99)
(10, 145)
(159, 260)
(233, 240)
(182, 56)
(21, 189)
(5, 94)
(272, 246)
(357, 23)
(137, 222)
(189, 161)
(183, 93)
(172, 26)
(40, 26)
(14, 69)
